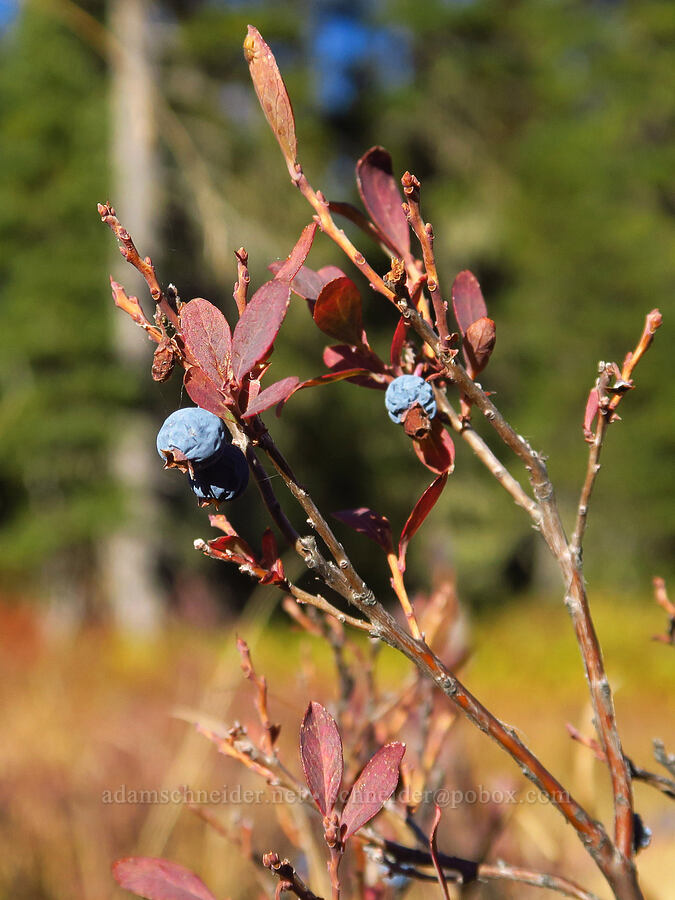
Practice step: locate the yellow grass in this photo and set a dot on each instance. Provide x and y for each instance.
(95, 713)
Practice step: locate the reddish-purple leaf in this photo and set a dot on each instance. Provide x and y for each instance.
(272, 93)
(290, 267)
(342, 375)
(372, 788)
(381, 196)
(372, 229)
(330, 273)
(306, 284)
(467, 300)
(275, 393)
(398, 341)
(321, 754)
(159, 879)
(592, 407)
(420, 511)
(341, 357)
(479, 342)
(270, 550)
(436, 450)
(204, 392)
(234, 549)
(367, 522)
(259, 325)
(207, 338)
(337, 311)
(346, 375)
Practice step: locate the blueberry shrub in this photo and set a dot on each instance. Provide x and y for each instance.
(441, 342)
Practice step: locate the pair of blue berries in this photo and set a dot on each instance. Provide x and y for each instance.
(219, 470)
(406, 391)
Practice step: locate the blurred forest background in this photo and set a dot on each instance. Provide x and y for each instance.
(543, 136)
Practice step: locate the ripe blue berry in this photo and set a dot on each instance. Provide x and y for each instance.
(224, 479)
(195, 433)
(404, 392)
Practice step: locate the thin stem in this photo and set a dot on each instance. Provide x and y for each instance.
(319, 602)
(399, 858)
(243, 279)
(143, 265)
(589, 483)
(402, 594)
(425, 235)
(289, 880)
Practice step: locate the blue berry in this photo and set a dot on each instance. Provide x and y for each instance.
(224, 479)
(404, 392)
(195, 433)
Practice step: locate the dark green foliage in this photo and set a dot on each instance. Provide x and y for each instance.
(58, 382)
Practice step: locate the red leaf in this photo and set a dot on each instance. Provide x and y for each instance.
(592, 407)
(272, 93)
(337, 311)
(372, 788)
(275, 393)
(258, 326)
(330, 273)
(306, 284)
(219, 520)
(420, 511)
(370, 228)
(203, 391)
(341, 357)
(321, 754)
(398, 341)
(207, 339)
(479, 342)
(436, 450)
(234, 549)
(367, 522)
(159, 879)
(346, 375)
(381, 196)
(270, 551)
(467, 300)
(296, 258)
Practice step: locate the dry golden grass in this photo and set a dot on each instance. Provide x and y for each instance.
(94, 713)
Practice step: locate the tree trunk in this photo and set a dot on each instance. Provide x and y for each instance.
(128, 557)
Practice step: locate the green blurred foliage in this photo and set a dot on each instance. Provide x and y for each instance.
(542, 134)
(57, 376)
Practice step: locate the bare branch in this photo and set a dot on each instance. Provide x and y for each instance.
(425, 235)
(289, 880)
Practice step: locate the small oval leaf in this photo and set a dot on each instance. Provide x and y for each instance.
(337, 311)
(321, 754)
(436, 450)
(479, 342)
(207, 339)
(381, 196)
(159, 879)
(420, 511)
(290, 267)
(592, 407)
(372, 788)
(258, 327)
(370, 523)
(275, 393)
(272, 93)
(203, 392)
(467, 300)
